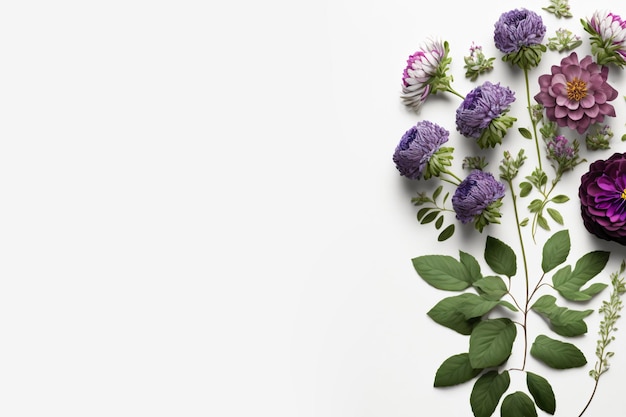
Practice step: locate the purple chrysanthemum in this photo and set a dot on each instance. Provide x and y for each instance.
(421, 67)
(518, 28)
(602, 196)
(475, 194)
(417, 146)
(576, 94)
(482, 105)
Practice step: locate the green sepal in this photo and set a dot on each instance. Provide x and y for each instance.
(492, 135)
(526, 57)
(438, 162)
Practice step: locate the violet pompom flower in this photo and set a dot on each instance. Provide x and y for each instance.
(602, 196)
(478, 199)
(576, 94)
(425, 74)
(481, 115)
(420, 153)
(519, 35)
(608, 38)
(563, 153)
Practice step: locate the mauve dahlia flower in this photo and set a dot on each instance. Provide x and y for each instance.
(425, 74)
(478, 199)
(484, 106)
(608, 38)
(602, 195)
(576, 94)
(518, 34)
(415, 154)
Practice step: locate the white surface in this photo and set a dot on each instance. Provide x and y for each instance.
(201, 216)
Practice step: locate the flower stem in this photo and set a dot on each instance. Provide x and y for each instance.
(521, 241)
(532, 119)
(456, 93)
(453, 176)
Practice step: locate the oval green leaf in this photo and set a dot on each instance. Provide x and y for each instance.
(518, 404)
(542, 392)
(455, 370)
(491, 342)
(442, 272)
(487, 391)
(557, 354)
(500, 257)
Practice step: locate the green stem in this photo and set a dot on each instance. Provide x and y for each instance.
(453, 176)
(546, 196)
(532, 119)
(521, 241)
(453, 91)
(595, 387)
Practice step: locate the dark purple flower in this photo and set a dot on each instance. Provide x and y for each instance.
(417, 146)
(482, 105)
(517, 29)
(602, 196)
(576, 94)
(477, 199)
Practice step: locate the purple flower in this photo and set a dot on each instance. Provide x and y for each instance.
(417, 147)
(481, 106)
(477, 199)
(602, 196)
(517, 29)
(422, 67)
(576, 95)
(608, 37)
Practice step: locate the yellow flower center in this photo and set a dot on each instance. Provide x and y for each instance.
(623, 194)
(576, 89)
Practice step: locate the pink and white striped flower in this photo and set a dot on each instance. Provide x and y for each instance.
(608, 37)
(422, 68)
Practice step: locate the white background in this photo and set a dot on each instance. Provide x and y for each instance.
(201, 217)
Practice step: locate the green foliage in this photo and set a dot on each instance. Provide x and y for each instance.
(455, 370)
(433, 212)
(557, 354)
(542, 392)
(500, 257)
(461, 312)
(555, 250)
(487, 391)
(491, 342)
(518, 404)
(443, 272)
(568, 282)
(563, 321)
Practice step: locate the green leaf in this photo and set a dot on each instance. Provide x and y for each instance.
(556, 215)
(437, 192)
(491, 342)
(518, 404)
(446, 233)
(508, 305)
(461, 312)
(455, 370)
(559, 199)
(535, 206)
(429, 217)
(557, 354)
(442, 272)
(542, 392)
(439, 222)
(555, 250)
(524, 222)
(471, 264)
(568, 283)
(500, 257)
(422, 212)
(563, 321)
(491, 287)
(542, 222)
(526, 188)
(525, 133)
(487, 391)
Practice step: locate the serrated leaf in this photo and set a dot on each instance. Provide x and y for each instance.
(525, 133)
(455, 370)
(556, 215)
(555, 250)
(442, 272)
(557, 354)
(446, 233)
(560, 199)
(439, 222)
(563, 321)
(422, 212)
(518, 404)
(491, 342)
(568, 283)
(491, 287)
(542, 392)
(500, 257)
(429, 217)
(487, 391)
(471, 265)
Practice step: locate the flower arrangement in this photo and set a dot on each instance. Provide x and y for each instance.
(566, 107)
